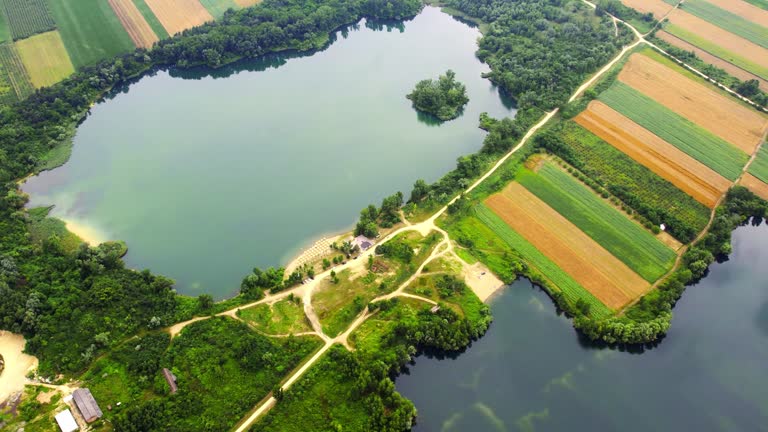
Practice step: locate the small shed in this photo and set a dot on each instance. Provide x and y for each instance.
(87, 405)
(363, 242)
(66, 421)
(435, 309)
(171, 379)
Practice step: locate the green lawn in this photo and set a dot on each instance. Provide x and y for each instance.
(218, 7)
(697, 142)
(759, 167)
(282, 318)
(90, 29)
(718, 51)
(728, 21)
(152, 20)
(627, 240)
(570, 288)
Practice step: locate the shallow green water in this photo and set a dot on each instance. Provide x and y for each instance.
(531, 371)
(206, 177)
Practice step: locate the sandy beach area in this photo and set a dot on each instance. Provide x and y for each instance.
(482, 281)
(86, 233)
(17, 364)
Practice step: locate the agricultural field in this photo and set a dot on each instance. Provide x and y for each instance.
(90, 29)
(17, 82)
(691, 176)
(151, 19)
(626, 239)
(282, 318)
(218, 7)
(692, 139)
(45, 58)
(658, 8)
(5, 30)
(722, 43)
(728, 21)
(134, 23)
(246, 3)
(754, 184)
(179, 15)
(572, 290)
(27, 17)
(706, 107)
(745, 10)
(652, 196)
(593, 267)
(759, 167)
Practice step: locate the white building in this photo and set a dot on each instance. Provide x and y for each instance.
(66, 421)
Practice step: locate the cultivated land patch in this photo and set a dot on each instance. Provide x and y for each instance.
(634, 183)
(45, 59)
(692, 139)
(246, 3)
(728, 21)
(134, 23)
(151, 19)
(27, 17)
(743, 9)
(754, 184)
(218, 7)
(657, 7)
(179, 15)
(688, 174)
(488, 226)
(739, 125)
(712, 59)
(626, 239)
(720, 42)
(602, 274)
(759, 166)
(90, 29)
(5, 30)
(14, 72)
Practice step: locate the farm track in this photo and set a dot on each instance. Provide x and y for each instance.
(134, 23)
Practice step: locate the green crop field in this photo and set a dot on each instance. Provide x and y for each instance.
(5, 29)
(728, 21)
(718, 51)
(218, 7)
(152, 20)
(759, 3)
(14, 73)
(697, 142)
(572, 289)
(90, 30)
(27, 17)
(759, 167)
(628, 241)
(650, 195)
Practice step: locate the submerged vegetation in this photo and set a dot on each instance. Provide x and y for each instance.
(443, 98)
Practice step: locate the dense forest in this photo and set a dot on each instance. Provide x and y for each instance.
(443, 98)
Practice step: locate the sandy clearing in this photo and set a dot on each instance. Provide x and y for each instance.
(90, 235)
(179, 15)
(666, 160)
(657, 7)
(720, 37)
(481, 280)
(712, 59)
(724, 117)
(602, 274)
(743, 9)
(134, 23)
(17, 364)
(755, 185)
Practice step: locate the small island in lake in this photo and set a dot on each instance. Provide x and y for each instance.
(443, 98)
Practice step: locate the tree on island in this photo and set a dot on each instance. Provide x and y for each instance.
(443, 98)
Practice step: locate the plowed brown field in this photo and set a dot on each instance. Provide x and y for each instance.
(657, 7)
(602, 274)
(246, 3)
(134, 23)
(743, 9)
(179, 15)
(666, 160)
(726, 118)
(712, 59)
(725, 39)
(755, 185)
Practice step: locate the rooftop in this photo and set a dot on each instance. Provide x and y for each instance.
(87, 404)
(66, 421)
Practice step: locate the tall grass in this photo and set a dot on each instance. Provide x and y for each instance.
(697, 142)
(627, 240)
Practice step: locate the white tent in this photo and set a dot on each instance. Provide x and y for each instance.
(66, 421)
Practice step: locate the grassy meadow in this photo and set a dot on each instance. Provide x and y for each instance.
(90, 29)
(282, 318)
(218, 7)
(45, 58)
(627, 240)
(702, 145)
